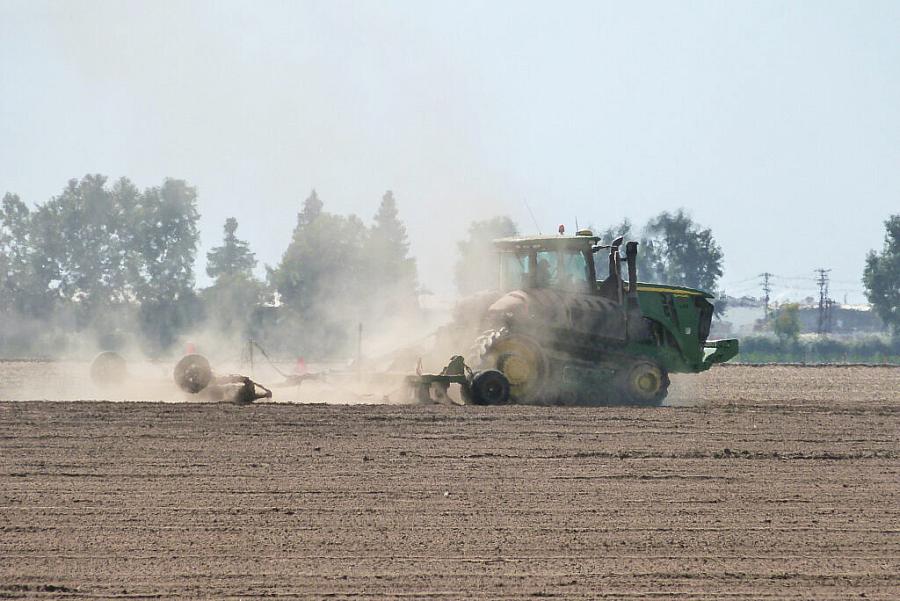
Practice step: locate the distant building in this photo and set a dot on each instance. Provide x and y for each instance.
(842, 319)
(744, 316)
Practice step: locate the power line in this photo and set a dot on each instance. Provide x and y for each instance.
(766, 290)
(823, 324)
(734, 282)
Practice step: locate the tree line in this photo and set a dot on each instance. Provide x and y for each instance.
(113, 263)
(106, 260)
(98, 256)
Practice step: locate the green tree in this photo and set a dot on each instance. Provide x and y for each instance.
(96, 252)
(609, 234)
(786, 323)
(312, 208)
(233, 257)
(234, 295)
(322, 264)
(165, 240)
(84, 233)
(321, 279)
(26, 274)
(392, 270)
(881, 276)
(475, 267)
(678, 251)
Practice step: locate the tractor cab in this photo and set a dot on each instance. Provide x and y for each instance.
(551, 262)
(567, 264)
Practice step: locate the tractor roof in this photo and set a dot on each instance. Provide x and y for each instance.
(548, 242)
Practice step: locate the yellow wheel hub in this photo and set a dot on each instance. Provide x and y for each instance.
(646, 381)
(517, 370)
(522, 364)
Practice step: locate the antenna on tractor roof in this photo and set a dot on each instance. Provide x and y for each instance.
(532, 217)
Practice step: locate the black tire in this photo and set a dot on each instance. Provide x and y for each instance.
(108, 369)
(193, 373)
(643, 383)
(489, 387)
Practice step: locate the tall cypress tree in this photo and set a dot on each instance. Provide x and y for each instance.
(232, 299)
(388, 253)
(233, 258)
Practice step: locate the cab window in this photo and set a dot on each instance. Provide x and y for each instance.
(513, 271)
(546, 269)
(573, 271)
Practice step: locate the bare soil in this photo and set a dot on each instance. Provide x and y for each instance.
(768, 482)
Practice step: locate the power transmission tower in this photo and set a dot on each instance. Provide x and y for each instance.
(766, 290)
(824, 301)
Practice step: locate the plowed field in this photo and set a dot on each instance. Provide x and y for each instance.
(767, 482)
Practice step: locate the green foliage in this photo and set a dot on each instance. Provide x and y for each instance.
(881, 276)
(100, 258)
(231, 300)
(323, 264)
(312, 208)
(233, 257)
(624, 229)
(393, 271)
(84, 235)
(230, 303)
(337, 273)
(165, 237)
(476, 267)
(678, 251)
(92, 256)
(869, 349)
(26, 273)
(786, 323)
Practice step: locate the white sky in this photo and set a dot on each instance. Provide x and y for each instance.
(774, 123)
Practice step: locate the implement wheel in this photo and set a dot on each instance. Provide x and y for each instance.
(108, 369)
(489, 387)
(193, 373)
(643, 383)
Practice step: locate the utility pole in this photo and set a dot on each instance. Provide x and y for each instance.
(766, 290)
(822, 283)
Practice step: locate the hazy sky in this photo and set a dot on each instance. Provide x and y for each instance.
(777, 124)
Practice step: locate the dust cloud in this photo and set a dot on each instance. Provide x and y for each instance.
(371, 369)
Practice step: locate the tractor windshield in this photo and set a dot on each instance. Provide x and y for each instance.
(563, 269)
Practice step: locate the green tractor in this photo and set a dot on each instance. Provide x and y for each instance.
(560, 334)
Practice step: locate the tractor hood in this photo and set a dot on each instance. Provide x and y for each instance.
(666, 288)
(560, 311)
